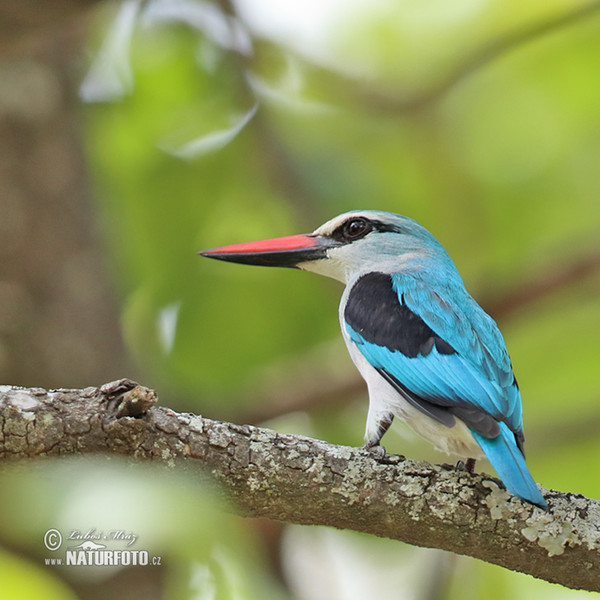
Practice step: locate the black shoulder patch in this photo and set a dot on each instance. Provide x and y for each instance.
(374, 310)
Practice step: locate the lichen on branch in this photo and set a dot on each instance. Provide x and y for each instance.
(296, 479)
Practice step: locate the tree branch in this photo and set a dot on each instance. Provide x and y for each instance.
(24, 24)
(480, 58)
(300, 480)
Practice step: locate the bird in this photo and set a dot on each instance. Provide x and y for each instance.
(429, 354)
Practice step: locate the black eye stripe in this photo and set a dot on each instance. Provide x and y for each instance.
(356, 228)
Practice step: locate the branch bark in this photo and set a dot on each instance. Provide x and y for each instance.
(300, 480)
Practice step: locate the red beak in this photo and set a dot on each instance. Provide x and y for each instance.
(285, 251)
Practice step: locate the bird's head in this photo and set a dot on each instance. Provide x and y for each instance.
(348, 245)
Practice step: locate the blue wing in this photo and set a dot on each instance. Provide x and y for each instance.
(447, 357)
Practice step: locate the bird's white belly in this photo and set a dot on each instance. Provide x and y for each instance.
(383, 399)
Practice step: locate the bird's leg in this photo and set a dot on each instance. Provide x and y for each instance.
(468, 465)
(382, 425)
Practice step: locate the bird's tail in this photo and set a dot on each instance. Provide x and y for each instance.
(509, 463)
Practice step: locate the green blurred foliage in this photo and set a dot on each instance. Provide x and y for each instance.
(502, 166)
(161, 210)
(174, 516)
(23, 580)
(409, 572)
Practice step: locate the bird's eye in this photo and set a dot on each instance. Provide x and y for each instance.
(355, 229)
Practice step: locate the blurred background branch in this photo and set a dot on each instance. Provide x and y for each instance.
(478, 59)
(336, 388)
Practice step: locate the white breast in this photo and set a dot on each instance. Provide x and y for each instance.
(383, 399)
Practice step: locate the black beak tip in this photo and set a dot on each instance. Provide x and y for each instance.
(216, 255)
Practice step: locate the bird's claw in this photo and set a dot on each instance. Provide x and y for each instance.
(467, 466)
(376, 449)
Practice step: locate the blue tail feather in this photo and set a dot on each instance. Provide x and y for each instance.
(509, 463)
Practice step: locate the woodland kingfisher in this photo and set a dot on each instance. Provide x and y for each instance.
(430, 355)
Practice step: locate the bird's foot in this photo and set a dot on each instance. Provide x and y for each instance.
(468, 466)
(376, 449)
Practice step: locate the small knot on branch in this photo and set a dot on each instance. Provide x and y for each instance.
(129, 398)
